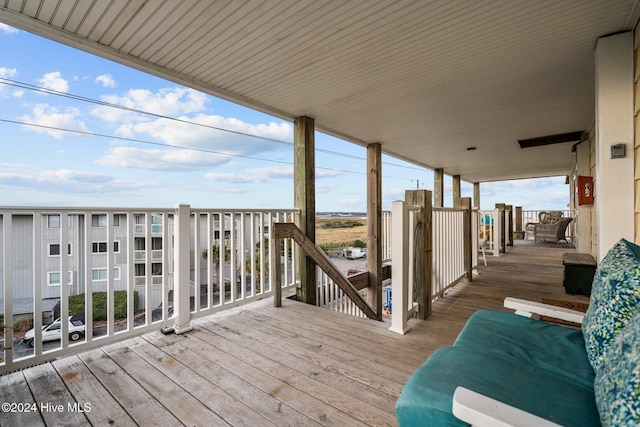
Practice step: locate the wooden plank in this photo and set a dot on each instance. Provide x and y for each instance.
(14, 390)
(184, 406)
(86, 389)
(342, 334)
(376, 396)
(141, 405)
(347, 352)
(212, 369)
(57, 406)
(327, 405)
(354, 368)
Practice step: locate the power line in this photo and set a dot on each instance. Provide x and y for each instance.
(141, 141)
(41, 89)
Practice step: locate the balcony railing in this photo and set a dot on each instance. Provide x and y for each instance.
(166, 267)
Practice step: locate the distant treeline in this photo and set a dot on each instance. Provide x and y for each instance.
(342, 224)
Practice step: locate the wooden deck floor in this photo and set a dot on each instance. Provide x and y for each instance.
(257, 365)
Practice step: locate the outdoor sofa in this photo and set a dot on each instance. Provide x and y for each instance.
(509, 369)
(551, 232)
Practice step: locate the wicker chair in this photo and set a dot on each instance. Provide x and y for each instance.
(552, 227)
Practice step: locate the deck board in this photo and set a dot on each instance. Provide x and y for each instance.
(260, 365)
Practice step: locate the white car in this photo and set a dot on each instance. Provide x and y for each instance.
(53, 331)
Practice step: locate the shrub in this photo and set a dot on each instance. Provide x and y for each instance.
(23, 325)
(76, 304)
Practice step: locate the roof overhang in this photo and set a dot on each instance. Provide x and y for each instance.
(427, 80)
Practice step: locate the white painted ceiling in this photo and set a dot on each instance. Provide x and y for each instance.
(426, 79)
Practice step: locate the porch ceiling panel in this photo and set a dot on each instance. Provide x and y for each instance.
(426, 79)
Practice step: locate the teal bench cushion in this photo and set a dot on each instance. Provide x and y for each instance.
(549, 346)
(426, 399)
(615, 297)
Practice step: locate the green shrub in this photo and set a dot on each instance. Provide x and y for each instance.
(76, 304)
(23, 325)
(359, 244)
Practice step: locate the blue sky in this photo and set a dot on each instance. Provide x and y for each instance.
(125, 158)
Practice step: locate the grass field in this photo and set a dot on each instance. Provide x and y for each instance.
(341, 233)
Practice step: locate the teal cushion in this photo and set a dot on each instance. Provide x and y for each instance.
(615, 298)
(427, 398)
(617, 384)
(549, 346)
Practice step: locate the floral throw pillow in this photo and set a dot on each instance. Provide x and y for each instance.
(615, 298)
(617, 383)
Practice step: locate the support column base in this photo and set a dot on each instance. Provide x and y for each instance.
(182, 329)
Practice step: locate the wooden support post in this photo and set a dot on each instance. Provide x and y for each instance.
(423, 248)
(438, 188)
(518, 219)
(457, 187)
(374, 226)
(503, 238)
(509, 226)
(476, 195)
(304, 201)
(465, 203)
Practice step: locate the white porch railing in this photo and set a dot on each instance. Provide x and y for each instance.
(447, 252)
(448, 249)
(490, 231)
(150, 263)
(331, 297)
(329, 294)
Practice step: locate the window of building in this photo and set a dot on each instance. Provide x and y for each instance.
(53, 221)
(156, 269)
(101, 247)
(99, 220)
(140, 270)
(156, 243)
(53, 278)
(54, 249)
(116, 220)
(139, 244)
(100, 274)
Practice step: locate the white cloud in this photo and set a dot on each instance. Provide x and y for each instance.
(232, 178)
(64, 180)
(165, 102)
(8, 72)
(206, 135)
(52, 117)
(272, 172)
(171, 159)
(327, 173)
(54, 81)
(325, 188)
(19, 166)
(106, 80)
(4, 28)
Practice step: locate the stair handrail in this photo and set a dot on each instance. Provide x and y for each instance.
(291, 231)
